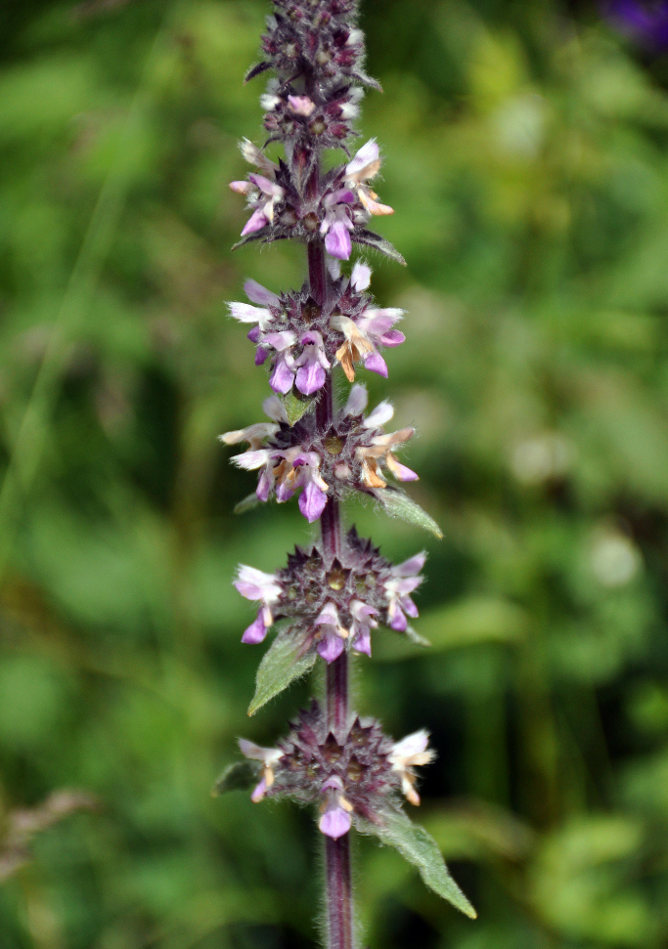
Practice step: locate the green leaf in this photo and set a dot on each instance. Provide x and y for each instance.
(398, 504)
(247, 504)
(296, 406)
(279, 668)
(375, 240)
(419, 848)
(237, 777)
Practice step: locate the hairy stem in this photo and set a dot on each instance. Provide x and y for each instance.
(337, 852)
(339, 894)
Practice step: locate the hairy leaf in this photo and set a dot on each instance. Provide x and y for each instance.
(372, 239)
(398, 504)
(419, 848)
(279, 668)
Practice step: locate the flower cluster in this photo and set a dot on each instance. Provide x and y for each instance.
(351, 454)
(302, 340)
(283, 207)
(333, 603)
(320, 35)
(355, 774)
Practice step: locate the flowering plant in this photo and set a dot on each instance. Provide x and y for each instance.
(331, 597)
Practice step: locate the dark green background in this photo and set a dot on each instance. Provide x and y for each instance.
(525, 155)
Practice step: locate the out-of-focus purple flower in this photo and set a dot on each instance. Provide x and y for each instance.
(646, 23)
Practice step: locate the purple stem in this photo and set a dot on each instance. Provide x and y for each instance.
(339, 893)
(337, 852)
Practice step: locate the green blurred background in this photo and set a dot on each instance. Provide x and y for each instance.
(526, 157)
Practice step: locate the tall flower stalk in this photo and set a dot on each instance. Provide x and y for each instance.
(330, 598)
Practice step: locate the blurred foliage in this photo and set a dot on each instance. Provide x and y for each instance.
(526, 156)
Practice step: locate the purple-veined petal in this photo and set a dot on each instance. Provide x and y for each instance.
(338, 242)
(282, 377)
(328, 615)
(397, 619)
(264, 485)
(267, 187)
(256, 632)
(392, 338)
(335, 822)
(409, 607)
(311, 376)
(330, 647)
(280, 340)
(255, 222)
(284, 491)
(362, 643)
(374, 362)
(256, 293)
(312, 502)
